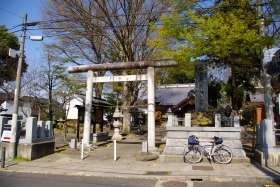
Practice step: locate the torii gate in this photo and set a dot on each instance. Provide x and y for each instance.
(149, 77)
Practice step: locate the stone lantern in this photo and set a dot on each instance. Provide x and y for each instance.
(170, 118)
(116, 124)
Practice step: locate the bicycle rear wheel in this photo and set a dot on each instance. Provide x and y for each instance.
(222, 155)
(193, 155)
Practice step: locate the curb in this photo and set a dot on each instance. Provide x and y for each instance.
(112, 174)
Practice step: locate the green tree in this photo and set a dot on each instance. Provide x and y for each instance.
(98, 31)
(8, 65)
(224, 32)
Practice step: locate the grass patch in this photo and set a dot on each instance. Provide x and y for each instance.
(20, 159)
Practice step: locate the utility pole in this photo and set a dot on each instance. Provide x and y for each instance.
(266, 77)
(17, 90)
(268, 133)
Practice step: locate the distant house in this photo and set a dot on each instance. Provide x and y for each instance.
(75, 109)
(178, 97)
(28, 106)
(72, 109)
(256, 98)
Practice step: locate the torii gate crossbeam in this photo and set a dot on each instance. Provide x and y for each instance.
(149, 77)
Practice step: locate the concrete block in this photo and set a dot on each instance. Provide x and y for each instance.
(268, 134)
(99, 137)
(217, 120)
(94, 138)
(170, 120)
(145, 146)
(73, 144)
(39, 129)
(236, 121)
(176, 139)
(188, 120)
(30, 129)
(3, 120)
(36, 150)
(49, 129)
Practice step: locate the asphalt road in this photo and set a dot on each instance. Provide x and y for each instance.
(8, 179)
(39, 180)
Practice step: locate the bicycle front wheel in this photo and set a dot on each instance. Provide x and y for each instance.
(193, 156)
(222, 155)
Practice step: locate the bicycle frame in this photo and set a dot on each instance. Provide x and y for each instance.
(205, 148)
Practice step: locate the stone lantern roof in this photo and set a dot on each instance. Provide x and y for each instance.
(117, 113)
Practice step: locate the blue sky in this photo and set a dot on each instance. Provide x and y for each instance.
(11, 12)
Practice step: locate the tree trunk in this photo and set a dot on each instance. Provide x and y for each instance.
(98, 112)
(125, 108)
(65, 130)
(50, 105)
(233, 91)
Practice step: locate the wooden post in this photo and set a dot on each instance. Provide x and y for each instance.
(259, 117)
(88, 106)
(115, 150)
(151, 108)
(78, 128)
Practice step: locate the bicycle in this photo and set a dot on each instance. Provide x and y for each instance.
(219, 152)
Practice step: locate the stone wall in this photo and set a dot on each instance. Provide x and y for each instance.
(176, 137)
(37, 139)
(176, 140)
(267, 152)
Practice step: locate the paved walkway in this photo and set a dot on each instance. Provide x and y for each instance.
(100, 163)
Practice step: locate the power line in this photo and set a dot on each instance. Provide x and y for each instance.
(114, 26)
(13, 27)
(143, 13)
(10, 12)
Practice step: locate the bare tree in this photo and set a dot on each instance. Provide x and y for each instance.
(98, 31)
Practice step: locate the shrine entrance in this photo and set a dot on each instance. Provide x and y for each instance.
(149, 77)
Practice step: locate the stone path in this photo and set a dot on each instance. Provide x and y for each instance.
(100, 163)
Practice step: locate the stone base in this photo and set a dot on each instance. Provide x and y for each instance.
(271, 159)
(177, 139)
(146, 156)
(117, 137)
(31, 151)
(99, 137)
(179, 158)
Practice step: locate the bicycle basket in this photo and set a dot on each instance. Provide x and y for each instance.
(193, 140)
(218, 140)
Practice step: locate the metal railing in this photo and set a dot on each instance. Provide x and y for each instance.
(181, 122)
(227, 121)
(277, 135)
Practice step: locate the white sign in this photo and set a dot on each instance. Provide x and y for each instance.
(6, 136)
(120, 78)
(13, 53)
(36, 38)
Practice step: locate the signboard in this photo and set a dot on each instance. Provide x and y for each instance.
(36, 38)
(121, 78)
(6, 136)
(13, 53)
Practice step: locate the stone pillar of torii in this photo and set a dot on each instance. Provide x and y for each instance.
(149, 77)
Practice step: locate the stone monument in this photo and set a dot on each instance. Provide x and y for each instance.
(201, 87)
